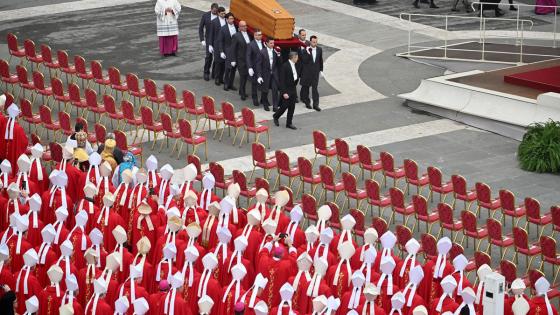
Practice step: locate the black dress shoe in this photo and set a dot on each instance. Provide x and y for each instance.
(243, 97)
(317, 108)
(233, 88)
(512, 8)
(217, 82)
(433, 6)
(308, 106)
(266, 108)
(206, 77)
(499, 13)
(226, 87)
(415, 4)
(291, 127)
(276, 122)
(274, 109)
(297, 100)
(256, 104)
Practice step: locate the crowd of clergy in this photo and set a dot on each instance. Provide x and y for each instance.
(95, 237)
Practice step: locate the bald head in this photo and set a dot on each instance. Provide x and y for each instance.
(242, 26)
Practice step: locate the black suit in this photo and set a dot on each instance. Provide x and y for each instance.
(310, 75)
(269, 75)
(252, 56)
(287, 85)
(239, 55)
(218, 62)
(225, 45)
(205, 34)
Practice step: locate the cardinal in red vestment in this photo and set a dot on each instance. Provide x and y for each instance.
(51, 297)
(208, 284)
(13, 139)
(17, 242)
(173, 303)
(339, 275)
(517, 288)
(80, 240)
(98, 305)
(277, 266)
(145, 224)
(87, 275)
(37, 172)
(411, 297)
(540, 303)
(191, 212)
(435, 270)
(445, 302)
(36, 225)
(403, 267)
(232, 292)
(27, 284)
(207, 197)
(316, 287)
(122, 195)
(254, 295)
(252, 234)
(108, 220)
(301, 279)
(56, 197)
(105, 184)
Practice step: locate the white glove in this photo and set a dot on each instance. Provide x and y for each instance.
(203, 43)
(260, 80)
(321, 73)
(210, 49)
(251, 72)
(223, 56)
(233, 63)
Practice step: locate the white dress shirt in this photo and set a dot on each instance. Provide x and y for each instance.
(294, 71)
(222, 21)
(314, 53)
(246, 37)
(232, 29)
(270, 57)
(213, 16)
(259, 43)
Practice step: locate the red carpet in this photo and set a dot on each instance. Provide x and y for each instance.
(546, 80)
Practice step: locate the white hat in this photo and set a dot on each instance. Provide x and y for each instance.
(261, 308)
(397, 301)
(66, 309)
(260, 281)
(30, 258)
(460, 262)
(269, 226)
(151, 163)
(224, 235)
(210, 261)
(240, 243)
(233, 190)
(66, 248)
(91, 256)
(177, 280)
(542, 286)
(412, 246)
(100, 286)
(193, 230)
(326, 236)
(94, 159)
(35, 203)
(483, 271)
(108, 199)
(304, 261)
(520, 307)
(287, 292)
(369, 255)
(370, 235)
(121, 305)
(22, 223)
(61, 213)
(13, 191)
(119, 234)
(346, 250)
(321, 265)
(444, 245)
(4, 252)
(136, 271)
(191, 253)
(81, 218)
(55, 274)
(48, 233)
(166, 172)
(24, 163)
(208, 181)
(468, 295)
(205, 304)
(296, 214)
(448, 284)
(37, 150)
(324, 212)
(141, 176)
(261, 195)
(96, 236)
(169, 251)
(13, 110)
(281, 198)
(2, 99)
(371, 291)
(416, 274)
(32, 305)
(105, 169)
(71, 282)
(68, 151)
(387, 265)
(113, 261)
(358, 278)
(141, 306)
(190, 172)
(518, 286)
(388, 240)
(90, 190)
(6, 166)
(238, 271)
(348, 222)
(420, 310)
(311, 234)
(319, 303)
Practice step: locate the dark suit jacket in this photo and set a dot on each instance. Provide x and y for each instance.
(239, 52)
(286, 82)
(310, 69)
(263, 68)
(252, 55)
(224, 44)
(215, 27)
(205, 28)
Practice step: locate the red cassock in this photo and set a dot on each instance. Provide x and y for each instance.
(253, 243)
(337, 241)
(538, 307)
(7, 208)
(449, 305)
(221, 272)
(189, 293)
(127, 258)
(184, 190)
(42, 184)
(241, 218)
(345, 300)
(508, 302)
(163, 274)
(102, 308)
(377, 309)
(144, 229)
(298, 238)
(249, 277)
(62, 265)
(61, 238)
(92, 211)
(248, 310)
(190, 217)
(154, 302)
(85, 284)
(417, 300)
(13, 148)
(33, 288)
(226, 308)
(76, 181)
(107, 229)
(34, 233)
(123, 210)
(76, 238)
(101, 192)
(112, 290)
(181, 306)
(430, 288)
(50, 259)
(332, 258)
(285, 310)
(139, 292)
(78, 308)
(7, 277)
(156, 254)
(282, 222)
(134, 201)
(277, 272)
(147, 273)
(209, 237)
(296, 299)
(306, 302)
(49, 303)
(343, 284)
(214, 291)
(48, 211)
(203, 195)
(17, 259)
(403, 281)
(384, 299)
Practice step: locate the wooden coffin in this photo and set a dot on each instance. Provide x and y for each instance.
(267, 15)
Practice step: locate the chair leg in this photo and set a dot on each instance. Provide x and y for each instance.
(252, 173)
(235, 136)
(180, 149)
(243, 137)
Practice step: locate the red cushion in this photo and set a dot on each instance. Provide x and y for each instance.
(258, 128)
(543, 220)
(431, 217)
(11, 79)
(383, 202)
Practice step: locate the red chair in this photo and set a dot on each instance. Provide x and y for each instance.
(328, 183)
(335, 223)
(471, 230)
(149, 124)
(533, 275)
(28, 115)
(218, 172)
(24, 83)
(48, 61)
(58, 93)
(31, 53)
(398, 205)
(247, 192)
(555, 213)
(230, 120)
(283, 168)
(100, 133)
(366, 161)
(260, 160)
(152, 94)
(509, 270)
(65, 123)
(484, 199)
(351, 190)
(122, 143)
(389, 170)
(549, 254)
(193, 109)
(115, 81)
(321, 147)
(47, 122)
(171, 98)
(98, 76)
(262, 183)
(437, 185)
(507, 200)
(195, 160)
(75, 99)
(39, 83)
(375, 198)
(81, 70)
(447, 222)
(134, 88)
(251, 126)
(56, 152)
(380, 225)
(309, 207)
(112, 111)
(211, 114)
(169, 131)
(65, 65)
(344, 155)
(359, 228)
(403, 234)
(95, 107)
(461, 192)
(533, 209)
(130, 118)
(481, 258)
(497, 238)
(306, 175)
(91, 137)
(412, 178)
(422, 213)
(522, 246)
(7, 77)
(13, 47)
(189, 137)
(429, 246)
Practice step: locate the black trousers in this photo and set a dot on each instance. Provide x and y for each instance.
(264, 94)
(304, 94)
(254, 90)
(229, 76)
(208, 62)
(220, 66)
(243, 75)
(286, 104)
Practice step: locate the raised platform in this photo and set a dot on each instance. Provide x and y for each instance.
(484, 100)
(546, 80)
